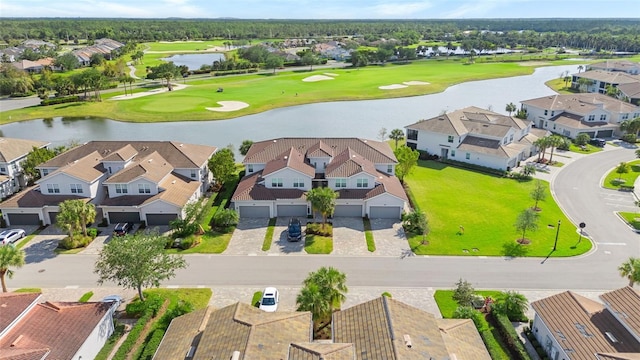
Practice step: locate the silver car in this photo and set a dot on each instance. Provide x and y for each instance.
(11, 236)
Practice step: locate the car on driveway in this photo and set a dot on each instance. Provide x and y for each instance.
(270, 299)
(116, 301)
(121, 229)
(11, 236)
(598, 142)
(294, 230)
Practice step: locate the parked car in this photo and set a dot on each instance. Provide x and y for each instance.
(121, 229)
(294, 230)
(11, 236)
(117, 300)
(270, 299)
(598, 142)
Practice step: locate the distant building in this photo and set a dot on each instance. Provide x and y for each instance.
(12, 153)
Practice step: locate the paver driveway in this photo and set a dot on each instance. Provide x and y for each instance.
(389, 237)
(280, 245)
(348, 237)
(248, 237)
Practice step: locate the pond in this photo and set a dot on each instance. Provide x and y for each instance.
(194, 61)
(332, 119)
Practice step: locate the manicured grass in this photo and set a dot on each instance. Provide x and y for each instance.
(558, 85)
(28, 290)
(60, 251)
(199, 298)
(589, 149)
(368, 235)
(487, 206)
(255, 300)
(448, 306)
(86, 296)
(316, 244)
(211, 242)
(174, 46)
(632, 218)
(264, 91)
(268, 237)
(628, 179)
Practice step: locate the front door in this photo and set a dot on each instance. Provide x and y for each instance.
(444, 153)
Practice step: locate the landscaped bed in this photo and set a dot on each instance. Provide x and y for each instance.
(615, 181)
(319, 238)
(487, 207)
(631, 218)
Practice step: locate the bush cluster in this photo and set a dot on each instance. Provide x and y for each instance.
(138, 308)
(510, 337)
(630, 138)
(234, 72)
(92, 232)
(78, 241)
(59, 100)
(318, 229)
(152, 344)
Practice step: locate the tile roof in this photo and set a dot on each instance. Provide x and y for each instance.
(13, 305)
(181, 335)
(123, 154)
(581, 103)
(264, 151)
(291, 158)
(88, 168)
(576, 122)
(252, 332)
(462, 339)
(174, 189)
(320, 149)
(625, 304)
(630, 90)
(321, 351)
(349, 163)
(621, 65)
(579, 326)
(612, 77)
(483, 146)
(33, 197)
(250, 188)
(60, 327)
(152, 167)
(12, 149)
(24, 354)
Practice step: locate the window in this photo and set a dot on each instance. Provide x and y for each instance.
(511, 138)
(624, 117)
(276, 182)
(389, 169)
(341, 183)
(546, 123)
(121, 189)
(468, 156)
(453, 153)
(144, 189)
(450, 138)
(250, 168)
(53, 189)
(592, 117)
(45, 172)
(298, 183)
(110, 170)
(546, 112)
(552, 113)
(412, 134)
(603, 117)
(554, 126)
(3, 170)
(193, 174)
(76, 188)
(362, 183)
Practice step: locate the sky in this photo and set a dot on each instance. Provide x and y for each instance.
(322, 9)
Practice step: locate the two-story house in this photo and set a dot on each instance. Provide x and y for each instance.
(572, 327)
(136, 181)
(599, 81)
(12, 153)
(476, 136)
(280, 171)
(625, 66)
(596, 115)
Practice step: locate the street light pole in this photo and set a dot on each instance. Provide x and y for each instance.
(557, 233)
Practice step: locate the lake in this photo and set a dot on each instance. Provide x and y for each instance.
(332, 119)
(194, 61)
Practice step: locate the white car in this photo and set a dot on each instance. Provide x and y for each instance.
(269, 301)
(11, 236)
(115, 299)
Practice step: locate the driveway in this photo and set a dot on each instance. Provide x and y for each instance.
(389, 237)
(248, 237)
(348, 237)
(280, 245)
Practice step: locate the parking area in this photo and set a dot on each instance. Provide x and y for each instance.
(389, 237)
(248, 237)
(348, 237)
(280, 245)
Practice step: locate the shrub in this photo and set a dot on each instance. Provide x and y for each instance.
(77, 242)
(187, 243)
(582, 139)
(59, 100)
(510, 336)
(386, 294)
(630, 138)
(134, 334)
(152, 344)
(317, 229)
(467, 312)
(255, 300)
(85, 297)
(565, 145)
(92, 232)
(137, 308)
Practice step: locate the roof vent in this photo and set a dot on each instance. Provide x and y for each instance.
(407, 340)
(150, 160)
(235, 355)
(286, 157)
(181, 145)
(173, 182)
(275, 140)
(16, 341)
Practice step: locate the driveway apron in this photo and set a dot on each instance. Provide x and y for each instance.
(248, 237)
(280, 245)
(348, 237)
(389, 237)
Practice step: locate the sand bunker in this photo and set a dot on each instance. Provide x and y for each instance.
(331, 74)
(226, 106)
(161, 90)
(315, 78)
(534, 63)
(392, 87)
(415, 83)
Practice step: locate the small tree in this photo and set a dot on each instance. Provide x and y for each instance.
(396, 135)
(582, 139)
(512, 304)
(467, 312)
(137, 261)
(226, 217)
(622, 168)
(323, 200)
(539, 193)
(416, 222)
(189, 224)
(273, 62)
(34, 158)
(323, 292)
(245, 146)
(511, 107)
(528, 170)
(68, 218)
(222, 165)
(463, 294)
(630, 269)
(382, 133)
(10, 256)
(407, 159)
(527, 220)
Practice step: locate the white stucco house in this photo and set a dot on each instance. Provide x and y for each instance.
(52, 330)
(475, 136)
(128, 181)
(12, 153)
(572, 327)
(625, 66)
(569, 115)
(280, 171)
(600, 80)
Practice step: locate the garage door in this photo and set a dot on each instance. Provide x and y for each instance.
(605, 133)
(24, 219)
(254, 211)
(122, 217)
(292, 210)
(52, 217)
(348, 210)
(384, 212)
(160, 219)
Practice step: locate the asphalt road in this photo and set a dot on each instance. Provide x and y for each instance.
(576, 188)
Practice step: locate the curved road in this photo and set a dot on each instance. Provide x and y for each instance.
(576, 188)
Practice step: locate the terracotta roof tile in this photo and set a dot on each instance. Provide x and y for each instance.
(624, 303)
(125, 153)
(250, 188)
(12, 149)
(88, 168)
(152, 167)
(12, 305)
(24, 354)
(181, 335)
(320, 149)
(291, 158)
(33, 197)
(349, 163)
(321, 351)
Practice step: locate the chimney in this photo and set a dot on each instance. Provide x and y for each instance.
(407, 340)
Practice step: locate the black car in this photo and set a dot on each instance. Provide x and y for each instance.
(294, 230)
(597, 142)
(121, 229)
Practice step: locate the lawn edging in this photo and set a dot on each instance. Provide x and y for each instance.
(368, 235)
(268, 237)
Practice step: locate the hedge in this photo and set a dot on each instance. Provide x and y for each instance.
(133, 336)
(152, 344)
(492, 344)
(510, 336)
(60, 100)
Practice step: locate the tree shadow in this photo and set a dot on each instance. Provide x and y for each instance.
(41, 251)
(514, 250)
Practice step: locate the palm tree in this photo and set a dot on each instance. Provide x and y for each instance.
(332, 284)
(629, 269)
(397, 135)
(554, 142)
(542, 144)
(10, 256)
(511, 107)
(512, 304)
(323, 200)
(87, 214)
(583, 84)
(311, 299)
(580, 68)
(631, 126)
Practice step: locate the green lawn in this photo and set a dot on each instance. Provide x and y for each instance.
(368, 235)
(265, 91)
(180, 46)
(487, 207)
(199, 298)
(316, 244)
(28, 290)
(268, 237)
(211, 242)
(612, 182)
(589, 149)
(632, 218)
